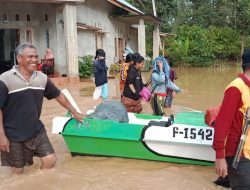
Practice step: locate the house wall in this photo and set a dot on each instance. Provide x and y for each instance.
(96, 13)
(37, 23)
(92, 12)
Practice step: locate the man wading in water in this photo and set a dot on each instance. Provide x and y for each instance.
(22, 134)
(228, 129)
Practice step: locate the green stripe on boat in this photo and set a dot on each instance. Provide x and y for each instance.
(146, 116)
(103, 129)
(190, 118)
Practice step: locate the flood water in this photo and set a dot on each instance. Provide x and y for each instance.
(205, 86)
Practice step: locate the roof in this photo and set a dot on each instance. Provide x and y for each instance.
(125, 5)
(134, 19)
(46, 1)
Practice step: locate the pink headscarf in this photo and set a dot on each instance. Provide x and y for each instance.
(49, 54)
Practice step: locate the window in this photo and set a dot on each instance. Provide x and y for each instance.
(46, 17)
(99, 41)
(29, 36)
(17, 17)
(28, 17)
(119, 48)
(116, 49)
(47, 38)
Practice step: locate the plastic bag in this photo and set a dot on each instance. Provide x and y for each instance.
(145, 94)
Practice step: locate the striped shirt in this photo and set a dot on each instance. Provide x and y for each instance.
(21, 103)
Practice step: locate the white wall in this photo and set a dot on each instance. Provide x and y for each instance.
(92, 12)
(96, 13)
(38, 24)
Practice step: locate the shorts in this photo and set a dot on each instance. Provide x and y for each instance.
(22, 152)
(239, 179)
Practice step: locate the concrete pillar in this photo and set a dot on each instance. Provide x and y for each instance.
(70, 33)
(141, 38)
(156, 41)
(163, 46)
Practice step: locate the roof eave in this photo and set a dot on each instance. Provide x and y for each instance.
(118, 4)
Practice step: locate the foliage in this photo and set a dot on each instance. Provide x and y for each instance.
(85, 66)
(206, 30)
(196, 46)
(147, 64)
(114, 67)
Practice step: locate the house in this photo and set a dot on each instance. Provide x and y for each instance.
(72, 28)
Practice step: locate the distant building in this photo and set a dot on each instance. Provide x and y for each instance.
(72, 28)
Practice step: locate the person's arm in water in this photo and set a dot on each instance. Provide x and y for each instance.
(61, 99)
(4, 142)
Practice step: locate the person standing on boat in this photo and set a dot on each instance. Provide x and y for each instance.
(228, 129)
(160, 81)
(22, 134)
(133, 86)
(124, 71)
(100, 72)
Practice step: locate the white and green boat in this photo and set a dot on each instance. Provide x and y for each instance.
(187, 140)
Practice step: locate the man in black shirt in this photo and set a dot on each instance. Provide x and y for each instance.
(22, 134)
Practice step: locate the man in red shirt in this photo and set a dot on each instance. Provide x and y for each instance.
(228, 129)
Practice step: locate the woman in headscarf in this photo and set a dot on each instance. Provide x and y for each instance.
(160, 81)
(48, 61)
(48, 54)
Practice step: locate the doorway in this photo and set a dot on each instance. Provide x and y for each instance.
(9, 40)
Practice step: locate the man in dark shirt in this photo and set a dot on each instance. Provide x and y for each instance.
(22, 134)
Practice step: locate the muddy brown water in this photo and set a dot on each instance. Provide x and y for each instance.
(205, 86)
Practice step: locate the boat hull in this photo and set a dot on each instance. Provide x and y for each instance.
(108, 138)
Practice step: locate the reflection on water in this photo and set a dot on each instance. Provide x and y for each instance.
(205, 86)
